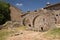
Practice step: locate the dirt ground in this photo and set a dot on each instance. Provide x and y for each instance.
(30, 35)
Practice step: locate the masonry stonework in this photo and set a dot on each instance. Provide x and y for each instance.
(41, 19)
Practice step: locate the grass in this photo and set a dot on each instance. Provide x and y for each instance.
(53, 34)
(4, 33)
(21, 28)
(55, 31)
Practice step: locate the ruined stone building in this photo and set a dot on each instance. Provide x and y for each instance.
(15, 13)
(42, 19)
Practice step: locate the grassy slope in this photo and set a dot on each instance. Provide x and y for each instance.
(6, 32)
(53, 34)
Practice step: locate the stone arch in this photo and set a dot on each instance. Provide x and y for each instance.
(26, 22)
(34, 20)
(40, 24)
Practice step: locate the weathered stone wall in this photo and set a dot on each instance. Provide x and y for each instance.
(30, 17)
(11, 25)
(44, 22)
(57, 16)
(15, 14)
(40, 20)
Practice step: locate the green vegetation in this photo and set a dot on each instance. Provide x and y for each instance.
(4, 12)
(21, 28)
(55, 31)
(1, 17)
(4, 33)
(53, 34)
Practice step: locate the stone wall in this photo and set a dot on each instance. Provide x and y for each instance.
(40, 20)
(15, 14)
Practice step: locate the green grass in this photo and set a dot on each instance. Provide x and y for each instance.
(54, 33)
(4, 33)
(21, 28)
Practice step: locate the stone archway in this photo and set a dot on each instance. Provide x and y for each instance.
(34, 19)
(26, 22)
(41, 23)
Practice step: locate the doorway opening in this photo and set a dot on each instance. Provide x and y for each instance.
(29, 25)
(42, 28)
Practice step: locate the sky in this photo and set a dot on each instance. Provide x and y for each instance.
(31, 5)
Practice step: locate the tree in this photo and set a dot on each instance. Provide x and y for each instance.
(1, 18)
(4, 12)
